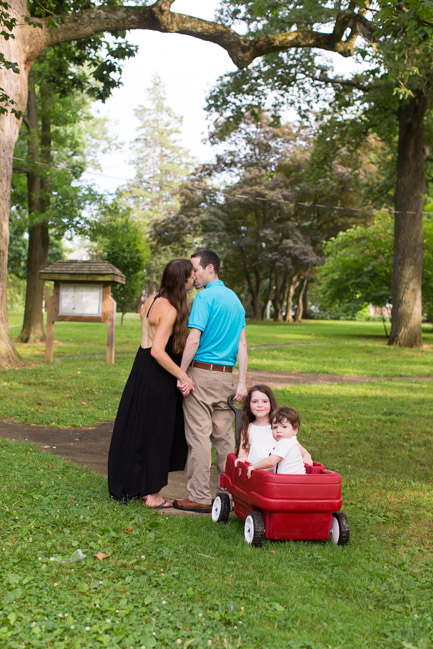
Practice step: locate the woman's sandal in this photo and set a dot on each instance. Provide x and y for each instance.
(164, 505)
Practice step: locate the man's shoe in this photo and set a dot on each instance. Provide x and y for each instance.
(188, 505)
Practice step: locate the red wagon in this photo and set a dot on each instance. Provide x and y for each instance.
(282, 507)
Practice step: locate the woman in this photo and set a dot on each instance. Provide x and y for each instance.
(148, 437)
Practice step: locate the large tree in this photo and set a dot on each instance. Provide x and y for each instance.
(49, 160)
(358, 267)
(51, 156)
(332, 26)
(253, 202)
(389, 93)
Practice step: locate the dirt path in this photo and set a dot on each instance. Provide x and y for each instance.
(89, 446)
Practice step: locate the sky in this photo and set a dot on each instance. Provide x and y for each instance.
(188, 68)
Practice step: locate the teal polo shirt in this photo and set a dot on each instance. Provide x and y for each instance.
(220, 316)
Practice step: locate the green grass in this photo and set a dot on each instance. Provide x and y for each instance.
(193, 583)
(347, 348)
(80, 389)
(183, 581)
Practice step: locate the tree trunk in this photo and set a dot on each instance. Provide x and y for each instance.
(408, 236)
(279, 292)
(15, 86)
(300, 303)
(38, 200)
(253, 283)
(33, 324)
(289, 309)
(267, 297)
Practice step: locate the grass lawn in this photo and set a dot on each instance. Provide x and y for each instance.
(80, 389)
(172, 581)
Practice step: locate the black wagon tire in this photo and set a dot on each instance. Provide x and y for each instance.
(221, 508)
(254, 529)
(340, 531)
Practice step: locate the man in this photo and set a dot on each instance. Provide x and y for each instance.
(217, 336)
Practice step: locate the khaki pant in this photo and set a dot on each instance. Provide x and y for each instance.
(207, 417)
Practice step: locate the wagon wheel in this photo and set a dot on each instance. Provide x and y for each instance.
(340, 531)
(221, 508)
(254, 529)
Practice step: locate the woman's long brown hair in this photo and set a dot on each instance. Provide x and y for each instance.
(174, 276)
(248, 417)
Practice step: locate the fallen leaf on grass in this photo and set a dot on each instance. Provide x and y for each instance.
(100, 556)
(129, 529)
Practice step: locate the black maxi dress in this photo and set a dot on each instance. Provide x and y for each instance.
(148, 437)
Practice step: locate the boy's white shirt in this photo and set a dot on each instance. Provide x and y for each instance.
(291, 461)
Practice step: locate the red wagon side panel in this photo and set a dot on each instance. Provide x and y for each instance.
(293, 506)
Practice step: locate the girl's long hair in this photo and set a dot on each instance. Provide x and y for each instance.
(248, 417)
(172, 287)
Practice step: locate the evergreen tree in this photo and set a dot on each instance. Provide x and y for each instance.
(161, 165)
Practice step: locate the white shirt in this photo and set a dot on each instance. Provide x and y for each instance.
(291, 459)
(261, 442)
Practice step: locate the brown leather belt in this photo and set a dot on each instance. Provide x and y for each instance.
(212, 367)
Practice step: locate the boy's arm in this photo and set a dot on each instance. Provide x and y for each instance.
(266, 463)
(306, 457)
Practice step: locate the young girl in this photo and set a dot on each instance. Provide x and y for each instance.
(255, 438)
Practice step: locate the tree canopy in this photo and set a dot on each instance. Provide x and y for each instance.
(392, 37)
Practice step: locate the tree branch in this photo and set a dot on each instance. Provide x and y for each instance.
(338, 81)
(158, 17)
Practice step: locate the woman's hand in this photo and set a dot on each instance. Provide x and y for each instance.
(186, 385)
(250, 469)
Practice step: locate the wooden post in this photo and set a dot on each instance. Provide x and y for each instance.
(111, 331)
(49, 339)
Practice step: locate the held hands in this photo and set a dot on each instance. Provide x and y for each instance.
(185, 386)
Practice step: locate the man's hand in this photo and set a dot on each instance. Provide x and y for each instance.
(241, 391)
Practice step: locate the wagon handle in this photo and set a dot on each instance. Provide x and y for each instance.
(238, 415)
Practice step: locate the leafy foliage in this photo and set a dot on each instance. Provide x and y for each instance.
(358, 267)
(120, 241)
(266, 203)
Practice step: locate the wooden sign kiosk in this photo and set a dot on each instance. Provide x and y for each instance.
(82, 293)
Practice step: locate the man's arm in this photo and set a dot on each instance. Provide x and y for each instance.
(241, 388)
(192, 343)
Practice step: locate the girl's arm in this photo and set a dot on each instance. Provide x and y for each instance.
(243, 452)
(266, 463)
(306, 457)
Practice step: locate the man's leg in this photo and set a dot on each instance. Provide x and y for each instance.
(197, 410)
(222, 421)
